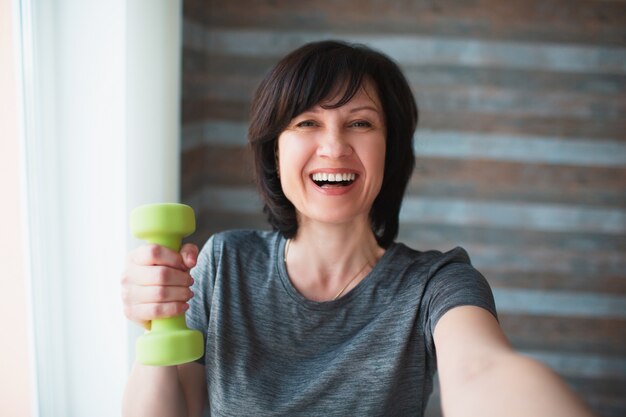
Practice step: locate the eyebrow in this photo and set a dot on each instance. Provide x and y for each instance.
(354, 110)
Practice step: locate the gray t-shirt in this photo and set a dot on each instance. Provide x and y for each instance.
(272, 352)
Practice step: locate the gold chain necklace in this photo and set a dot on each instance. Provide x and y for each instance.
(346, 286)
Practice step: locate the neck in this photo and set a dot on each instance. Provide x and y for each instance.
(321, 261)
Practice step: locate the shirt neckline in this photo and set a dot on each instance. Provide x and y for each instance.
(294, 294)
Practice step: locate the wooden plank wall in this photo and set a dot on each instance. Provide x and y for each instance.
(521, 150)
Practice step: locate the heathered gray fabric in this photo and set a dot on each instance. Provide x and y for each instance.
(272, 352)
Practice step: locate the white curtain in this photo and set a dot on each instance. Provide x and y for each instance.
(100, 95)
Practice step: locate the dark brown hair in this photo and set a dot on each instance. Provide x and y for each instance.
(310, 75)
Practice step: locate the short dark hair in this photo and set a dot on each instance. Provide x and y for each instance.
(310, 75)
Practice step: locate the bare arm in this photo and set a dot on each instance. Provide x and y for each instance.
(481, 375)
(163, 391)
(156, 284)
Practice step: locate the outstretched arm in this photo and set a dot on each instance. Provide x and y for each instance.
(155, 285)
(481, 375)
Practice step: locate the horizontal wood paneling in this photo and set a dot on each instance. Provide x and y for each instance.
(524, 254)
(521, 151)
(444, 177)
(455, 144)
(206, 67)
(606, 396)
(527, 216)
(492, 90)
(197, 110)
(412, 49)
(566, 334)
(563, 21)
(513, 181)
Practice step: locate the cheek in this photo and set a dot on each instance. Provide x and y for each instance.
(291, 162)
(288, 159)
(376, 159)
(377, 167)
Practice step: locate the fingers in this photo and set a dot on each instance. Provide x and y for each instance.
(155, 275)
(143, 313)
(156, 282)
(156, 255)
(155, 294)
(143, 303)
(189, 253)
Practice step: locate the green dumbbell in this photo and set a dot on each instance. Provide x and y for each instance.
(169, 341)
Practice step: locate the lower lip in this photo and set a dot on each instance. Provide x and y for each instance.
(334, 191)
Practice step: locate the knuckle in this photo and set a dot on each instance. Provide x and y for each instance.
(161, 293)
(160, 310)
(168, 309)
(162, 274)
(154, 251)
(190, 248)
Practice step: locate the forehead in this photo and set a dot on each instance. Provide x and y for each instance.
(365, 94)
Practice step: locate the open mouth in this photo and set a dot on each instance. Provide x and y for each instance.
(324, 180)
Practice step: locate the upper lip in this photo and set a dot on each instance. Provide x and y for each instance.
(334, 171)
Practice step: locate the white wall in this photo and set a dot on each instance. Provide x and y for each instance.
(16, 393)
(101, 131)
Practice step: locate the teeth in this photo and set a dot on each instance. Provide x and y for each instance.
(323, 176)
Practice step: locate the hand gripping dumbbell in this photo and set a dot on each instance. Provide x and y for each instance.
(169, 341)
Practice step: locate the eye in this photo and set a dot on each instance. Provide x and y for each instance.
(306, 123)
(361, 124)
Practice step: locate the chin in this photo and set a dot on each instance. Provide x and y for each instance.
(336, 216)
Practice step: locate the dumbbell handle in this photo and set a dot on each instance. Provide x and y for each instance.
(169, 341)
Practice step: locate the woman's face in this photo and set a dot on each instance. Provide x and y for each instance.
(331, 161)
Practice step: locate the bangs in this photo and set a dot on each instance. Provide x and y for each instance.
(329, 74)
(336, 75)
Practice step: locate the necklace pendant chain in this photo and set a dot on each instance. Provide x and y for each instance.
(345, 286)
(350, 282)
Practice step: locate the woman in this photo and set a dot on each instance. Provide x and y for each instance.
(327, 315)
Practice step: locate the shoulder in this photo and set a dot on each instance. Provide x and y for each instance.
(244, 236)
(242, 242)
(431, 262)
(453, 261)
(444, 278)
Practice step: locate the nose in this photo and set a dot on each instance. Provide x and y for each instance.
(333, 144)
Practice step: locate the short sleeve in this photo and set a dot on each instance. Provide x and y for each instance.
(197, 316)
(453, 282)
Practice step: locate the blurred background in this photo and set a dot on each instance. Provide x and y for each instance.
(521, 150)
(520, 153)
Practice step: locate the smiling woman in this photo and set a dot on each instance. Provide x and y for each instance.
(322, 78)
(327, 314)
(344, 148)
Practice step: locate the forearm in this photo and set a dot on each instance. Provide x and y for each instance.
(513, 385)
(154, 391)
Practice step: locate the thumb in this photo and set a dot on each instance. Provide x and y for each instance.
(189, 253)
